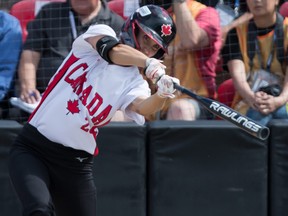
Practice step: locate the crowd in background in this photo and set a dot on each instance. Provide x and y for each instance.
(212, 54)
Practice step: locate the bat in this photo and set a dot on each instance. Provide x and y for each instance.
(227, 113)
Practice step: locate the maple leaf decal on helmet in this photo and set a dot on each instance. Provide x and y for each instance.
(72, 107)
(166, 30)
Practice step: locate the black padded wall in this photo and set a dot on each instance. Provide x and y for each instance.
(120, 170)
(278, 184)
(201, 168)
(9, 203)
(205, 168)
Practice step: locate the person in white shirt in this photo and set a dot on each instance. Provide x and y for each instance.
(51, 160)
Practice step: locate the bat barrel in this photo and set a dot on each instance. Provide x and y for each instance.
(221, 110)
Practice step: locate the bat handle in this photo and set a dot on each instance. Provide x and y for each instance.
(178, 87)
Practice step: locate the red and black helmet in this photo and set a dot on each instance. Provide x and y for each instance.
(155, 22)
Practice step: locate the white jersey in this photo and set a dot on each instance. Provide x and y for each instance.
(85, 93)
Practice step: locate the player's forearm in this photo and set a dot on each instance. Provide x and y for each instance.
(125, 55)
(148, 106)
(27, 68)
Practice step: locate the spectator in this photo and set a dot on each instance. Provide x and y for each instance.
(254, 53)
(192, 57)
(10, 46)
(51, 162)
(50, 37)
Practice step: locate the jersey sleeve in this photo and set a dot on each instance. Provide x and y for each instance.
(99, 29)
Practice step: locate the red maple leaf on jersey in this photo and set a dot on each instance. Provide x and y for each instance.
(166, 30)
(72, 106)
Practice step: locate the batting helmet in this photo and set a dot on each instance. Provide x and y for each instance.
(162, 3)
(155, 22)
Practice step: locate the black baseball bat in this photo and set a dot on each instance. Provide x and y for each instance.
(227, 113)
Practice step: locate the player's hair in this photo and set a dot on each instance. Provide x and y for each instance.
(155, 22)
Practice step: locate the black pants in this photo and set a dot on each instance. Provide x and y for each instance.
(51, 179)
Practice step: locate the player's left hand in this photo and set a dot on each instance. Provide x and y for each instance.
(154, 69)
(166, 86)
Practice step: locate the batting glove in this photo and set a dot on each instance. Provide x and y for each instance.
(166, 86)
(154, 69)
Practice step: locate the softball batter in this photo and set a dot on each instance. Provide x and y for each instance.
(51, 160)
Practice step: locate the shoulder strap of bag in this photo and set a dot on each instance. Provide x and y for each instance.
(280, 38)
(252, 35)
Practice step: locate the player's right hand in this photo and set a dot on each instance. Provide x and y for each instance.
(154, 69)
(165, 86)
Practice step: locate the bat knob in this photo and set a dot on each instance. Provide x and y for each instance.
(264, 133)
